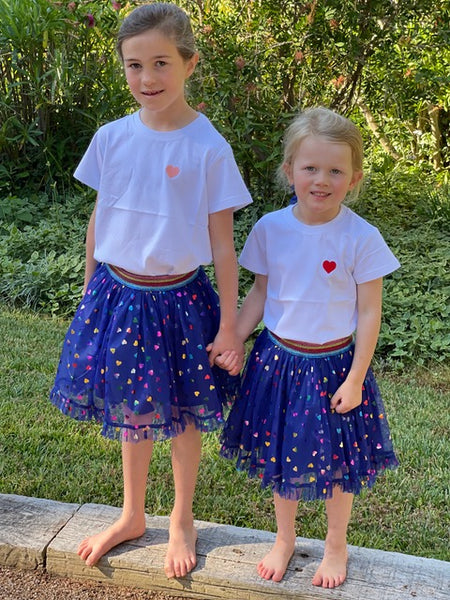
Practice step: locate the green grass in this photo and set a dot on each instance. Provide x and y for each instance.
(47, 455)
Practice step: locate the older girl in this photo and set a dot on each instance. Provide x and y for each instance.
(135, 357)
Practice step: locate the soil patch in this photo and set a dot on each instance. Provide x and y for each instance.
(39, 585)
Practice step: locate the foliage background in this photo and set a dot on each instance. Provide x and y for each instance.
(382, 63)
(385, 63)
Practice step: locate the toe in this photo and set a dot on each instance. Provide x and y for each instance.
(168, 570)
(278, 575)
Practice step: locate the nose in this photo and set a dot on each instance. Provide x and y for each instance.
(322, 177)
(147, 77)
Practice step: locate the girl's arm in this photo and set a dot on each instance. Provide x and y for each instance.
(252, 309)
(91, 263)
(349, 394)
(226, 269)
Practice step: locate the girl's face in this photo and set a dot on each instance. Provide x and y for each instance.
(156, 74)
(322, 174)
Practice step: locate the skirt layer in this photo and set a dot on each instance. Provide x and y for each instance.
(283, 431)
(135, 360)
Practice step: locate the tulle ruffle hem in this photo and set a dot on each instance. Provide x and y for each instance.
(134, 359)
(282, 430)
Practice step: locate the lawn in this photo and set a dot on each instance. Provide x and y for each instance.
(44, 454)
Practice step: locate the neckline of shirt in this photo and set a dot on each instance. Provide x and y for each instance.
(314, 228)
(174, 133)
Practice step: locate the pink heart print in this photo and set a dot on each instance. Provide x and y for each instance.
(329, 265)
(172, 171)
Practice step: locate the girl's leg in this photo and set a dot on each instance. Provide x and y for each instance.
(181, 555)
(333, 568)
(131, 524)
(274, 564)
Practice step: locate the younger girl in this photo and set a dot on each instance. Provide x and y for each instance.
(135, 355)
(309, 421)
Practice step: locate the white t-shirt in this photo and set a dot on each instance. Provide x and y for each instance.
(155, 192)
(313, 272)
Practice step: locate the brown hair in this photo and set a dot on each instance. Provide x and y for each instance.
(168, 18)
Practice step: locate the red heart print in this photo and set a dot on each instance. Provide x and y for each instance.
(172, 171)
(329, 265)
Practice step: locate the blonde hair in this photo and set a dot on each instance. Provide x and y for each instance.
(323, 122)
(166, 17)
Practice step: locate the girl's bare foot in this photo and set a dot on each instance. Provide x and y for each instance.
(181, 556)
(332, 571)
(273, 566)
(92, 548)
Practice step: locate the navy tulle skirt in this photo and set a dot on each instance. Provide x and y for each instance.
(282, 430)
(134, 359)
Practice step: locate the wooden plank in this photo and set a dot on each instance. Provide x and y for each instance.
(27, 525)
(227, 557)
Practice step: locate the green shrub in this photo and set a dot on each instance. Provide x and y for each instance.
(435, 206)
(22, 211)
(416, 311)
(383, 63)
(42, 263)
(59, 81)
(47, 282)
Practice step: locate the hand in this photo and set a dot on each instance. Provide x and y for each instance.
(347, 397)
(225, 340)
(230, 361)
(228, 351)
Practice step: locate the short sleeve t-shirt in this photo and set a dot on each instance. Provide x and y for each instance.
(313, 272)
(156, 191)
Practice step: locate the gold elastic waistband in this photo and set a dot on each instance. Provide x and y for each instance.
(151, 281)
(307, 348)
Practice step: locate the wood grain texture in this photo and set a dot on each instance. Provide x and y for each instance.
(227, 558)
(27, 525)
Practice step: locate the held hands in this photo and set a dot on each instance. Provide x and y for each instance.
(347, 397)
(230, 361)
(227, 352)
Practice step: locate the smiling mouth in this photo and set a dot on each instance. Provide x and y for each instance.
(321, 194)
(147, 93)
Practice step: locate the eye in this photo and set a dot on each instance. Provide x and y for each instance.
(310, 168)
(161, 63)
(134, 66)
(336, 171)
